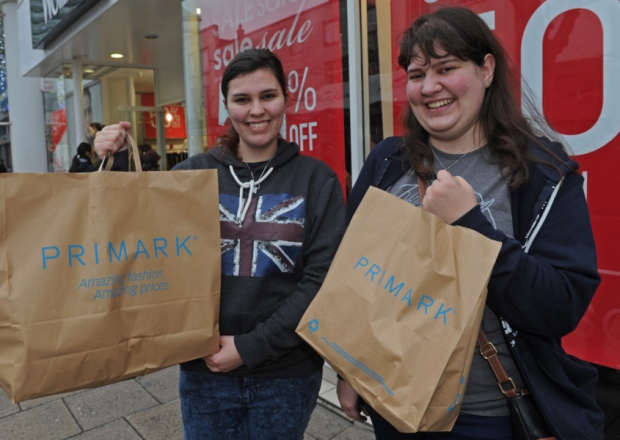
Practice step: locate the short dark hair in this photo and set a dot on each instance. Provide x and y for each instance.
(96, 125)
(243, 63)
(84, 148)
(250, 61)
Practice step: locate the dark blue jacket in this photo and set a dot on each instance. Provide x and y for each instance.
(542, 294)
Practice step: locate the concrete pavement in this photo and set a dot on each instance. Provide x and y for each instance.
(145, 408)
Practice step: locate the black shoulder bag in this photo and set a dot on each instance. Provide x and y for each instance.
(527, 421)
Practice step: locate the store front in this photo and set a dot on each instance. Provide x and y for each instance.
(105, 61)
(307, 36)
(557, 45)
(346, 89)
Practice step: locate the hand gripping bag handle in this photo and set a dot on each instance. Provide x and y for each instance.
(134, 154)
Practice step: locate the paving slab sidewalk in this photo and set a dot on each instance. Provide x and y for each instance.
(145, 408)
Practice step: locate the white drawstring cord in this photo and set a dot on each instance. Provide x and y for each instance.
(252, 186)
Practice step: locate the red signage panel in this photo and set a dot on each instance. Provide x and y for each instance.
(174, 120)
(305, 34)
(568, 53)
(59, 126)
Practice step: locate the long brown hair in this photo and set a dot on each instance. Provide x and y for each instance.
(462, 33)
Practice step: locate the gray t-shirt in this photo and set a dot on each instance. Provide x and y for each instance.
(482, 172)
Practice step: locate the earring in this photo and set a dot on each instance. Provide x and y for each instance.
(487, 84)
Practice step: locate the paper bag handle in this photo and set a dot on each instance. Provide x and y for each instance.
(132, 154)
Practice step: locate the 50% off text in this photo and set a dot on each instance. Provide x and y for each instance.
(304, 133)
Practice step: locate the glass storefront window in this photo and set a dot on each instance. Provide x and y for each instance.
(59, 159)
(555, 48)
(307, 36)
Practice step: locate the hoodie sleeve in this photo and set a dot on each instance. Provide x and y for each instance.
(545, 291)
(275, 336)
(370, 173)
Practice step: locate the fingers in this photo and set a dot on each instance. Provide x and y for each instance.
(125, 125)
(462, 182)
(446, 182)
(445, 178)
(349, 401)
(353, 412)
(227, 359)
(356, 415)
(112, 138)
(449, 197)
(443, 175)
(211, 364)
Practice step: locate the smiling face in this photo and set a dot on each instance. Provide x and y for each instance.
(446, 96)
(256, 106)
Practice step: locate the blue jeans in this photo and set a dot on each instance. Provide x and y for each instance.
(467, 427)
(242, 408)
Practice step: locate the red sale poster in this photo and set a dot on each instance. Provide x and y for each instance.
(174, 120)
(59, 126)
(567, 52)
(305, 34)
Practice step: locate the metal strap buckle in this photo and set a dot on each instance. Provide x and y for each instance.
(506, 390)
(488, 350)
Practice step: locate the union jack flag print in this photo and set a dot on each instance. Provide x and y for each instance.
(268, 240)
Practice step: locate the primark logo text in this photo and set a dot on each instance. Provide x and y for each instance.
(75, 254)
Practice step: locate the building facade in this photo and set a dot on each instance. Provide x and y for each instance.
(158, 64)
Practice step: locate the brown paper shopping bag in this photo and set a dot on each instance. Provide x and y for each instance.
(105, 276)
(399, 311)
